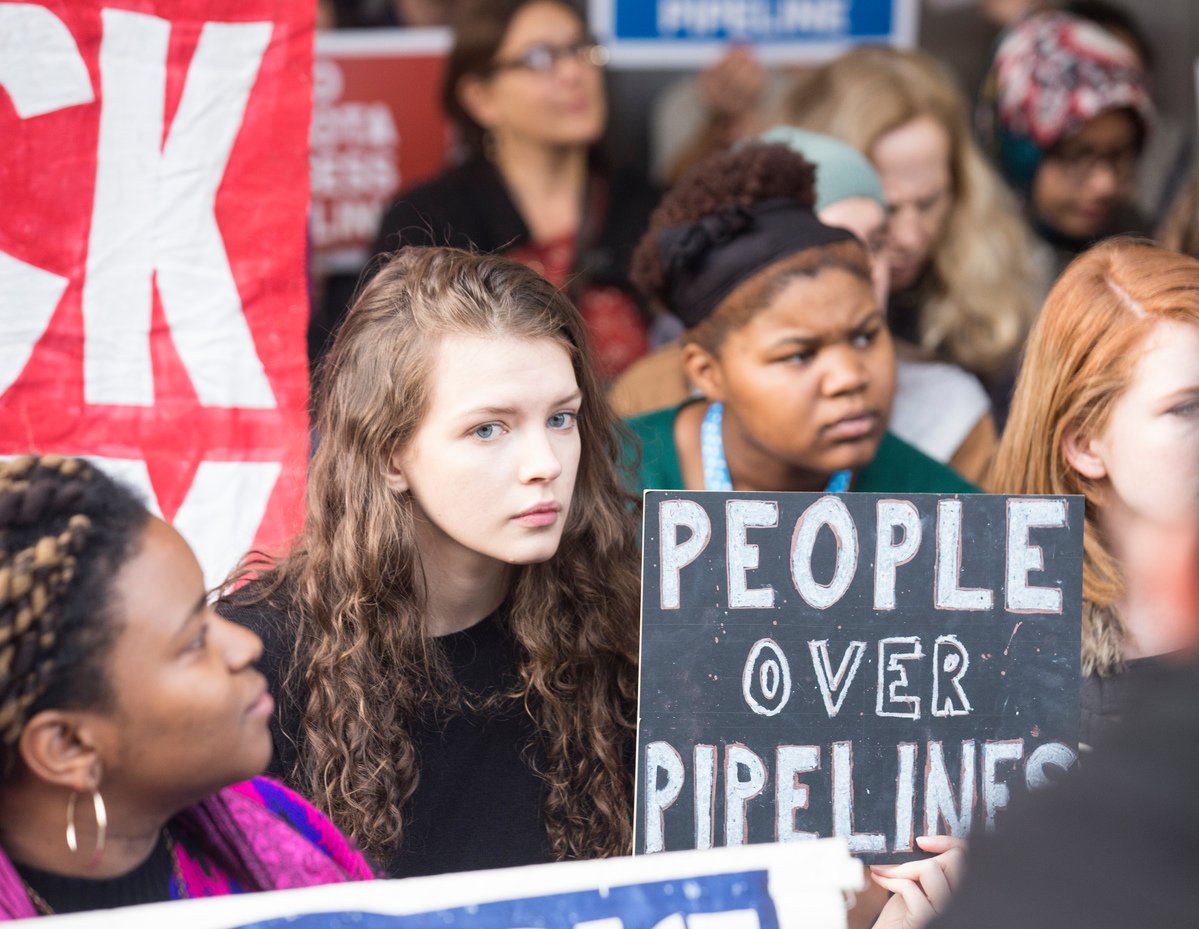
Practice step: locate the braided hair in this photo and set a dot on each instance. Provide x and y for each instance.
(65, 531)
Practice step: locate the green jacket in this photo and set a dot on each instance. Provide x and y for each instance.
(897, 467)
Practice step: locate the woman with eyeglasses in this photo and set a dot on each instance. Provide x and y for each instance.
(524, 85)
(1066, 115)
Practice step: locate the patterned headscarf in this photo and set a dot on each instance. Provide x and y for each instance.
(1052, 73)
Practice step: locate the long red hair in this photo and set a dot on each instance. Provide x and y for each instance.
(1079, 359)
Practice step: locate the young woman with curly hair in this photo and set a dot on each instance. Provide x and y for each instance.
(784, 339)
(131, 715)
(963, 287)
(455, 630)
(1107, 406)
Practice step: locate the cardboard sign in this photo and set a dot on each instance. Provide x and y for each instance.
(153, 300)
(695, 33)
(861, 666)
(764, 887)
(377, 127)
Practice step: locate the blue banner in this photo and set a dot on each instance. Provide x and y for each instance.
(801, 885)
(742, 899)
(667, 33)
(755, 20)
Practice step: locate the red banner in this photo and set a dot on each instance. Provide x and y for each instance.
(153, 295)
(377, 126)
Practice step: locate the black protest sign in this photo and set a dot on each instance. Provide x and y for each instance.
(864, 666)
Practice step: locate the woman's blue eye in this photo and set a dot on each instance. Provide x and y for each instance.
(563, 420)
(1188, 408)
(487, 431)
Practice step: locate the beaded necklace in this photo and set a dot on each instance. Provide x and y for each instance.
(716, 466)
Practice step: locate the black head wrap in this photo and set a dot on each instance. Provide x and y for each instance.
(705, 260)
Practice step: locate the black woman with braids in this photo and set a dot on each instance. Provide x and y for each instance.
(455, 632)
(127, 709)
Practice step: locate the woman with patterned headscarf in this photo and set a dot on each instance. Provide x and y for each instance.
(1066, 112)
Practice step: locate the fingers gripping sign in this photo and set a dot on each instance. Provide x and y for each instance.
(920, 889)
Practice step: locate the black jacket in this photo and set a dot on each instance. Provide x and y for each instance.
(469, 207)
(1116, 845)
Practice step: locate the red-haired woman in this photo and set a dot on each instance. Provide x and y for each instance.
(1107, 406)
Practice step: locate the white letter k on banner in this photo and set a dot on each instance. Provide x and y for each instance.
(153, 217)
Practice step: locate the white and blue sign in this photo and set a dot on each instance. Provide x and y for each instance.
(689, 33)
(718, 901)
(801, 886)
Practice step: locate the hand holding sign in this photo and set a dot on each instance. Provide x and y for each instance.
(921, 889)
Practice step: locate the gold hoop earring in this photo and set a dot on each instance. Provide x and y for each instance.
(101, 825)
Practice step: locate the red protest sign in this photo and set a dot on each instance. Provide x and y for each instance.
(377, 126)
(153, 296)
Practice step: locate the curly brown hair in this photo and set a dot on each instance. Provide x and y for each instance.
(351, 585)
(740, 177)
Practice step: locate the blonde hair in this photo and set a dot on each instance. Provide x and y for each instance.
(982, 287)
(1080, 358)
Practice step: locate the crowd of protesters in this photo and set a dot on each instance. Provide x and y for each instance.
(862, 277)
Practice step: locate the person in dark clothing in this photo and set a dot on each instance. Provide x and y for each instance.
(1112, 847)
(525, 87)
(472, 763)
(453, 638)
(1107, 406)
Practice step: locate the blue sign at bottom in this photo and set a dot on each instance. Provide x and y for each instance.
(727, 901)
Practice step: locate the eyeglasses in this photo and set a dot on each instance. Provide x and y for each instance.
(543, 58)
(1081, 164)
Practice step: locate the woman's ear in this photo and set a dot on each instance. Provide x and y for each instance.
(475, 95)
(393, 473)
(703, 371)
(1082, 454)
(60, 747)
